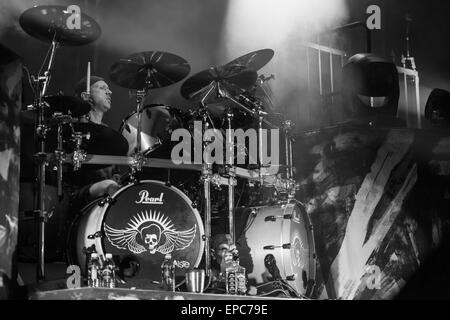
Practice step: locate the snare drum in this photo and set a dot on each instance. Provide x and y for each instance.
(142, 223)
(157, 123)
(277, 243)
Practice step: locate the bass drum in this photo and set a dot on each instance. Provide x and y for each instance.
(277, 243)
(157, 123)
(143, 222)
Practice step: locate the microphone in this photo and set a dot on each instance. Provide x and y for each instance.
(271, 264)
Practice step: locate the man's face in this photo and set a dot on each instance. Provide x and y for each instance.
(101, 96)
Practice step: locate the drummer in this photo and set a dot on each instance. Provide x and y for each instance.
(91, 185)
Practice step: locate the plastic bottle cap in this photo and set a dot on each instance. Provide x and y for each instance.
(108, 256)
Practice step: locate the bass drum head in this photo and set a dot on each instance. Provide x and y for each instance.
(277, 243)
(149, 220)
(143, 223)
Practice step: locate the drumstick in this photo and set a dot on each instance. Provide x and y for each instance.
(88, 78)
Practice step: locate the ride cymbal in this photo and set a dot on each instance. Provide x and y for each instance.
(150, 69)
(48, 23)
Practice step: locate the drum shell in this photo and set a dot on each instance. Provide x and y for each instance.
(291, 226)
(95, 216)
(157, 124)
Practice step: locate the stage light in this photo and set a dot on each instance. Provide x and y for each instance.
(437, 109)
(371, 87)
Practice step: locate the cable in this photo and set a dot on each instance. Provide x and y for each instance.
(274, 291)
(291, 291)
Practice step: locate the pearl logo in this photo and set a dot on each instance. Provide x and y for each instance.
(144, 198)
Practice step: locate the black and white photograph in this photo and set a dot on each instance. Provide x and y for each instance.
(225, 151)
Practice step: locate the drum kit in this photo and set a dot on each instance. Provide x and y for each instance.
(146, 219)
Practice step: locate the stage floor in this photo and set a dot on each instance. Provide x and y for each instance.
(55, 288)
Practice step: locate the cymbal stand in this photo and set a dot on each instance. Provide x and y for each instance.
(291, 184)
(41, 131)
(257, 112)
(138, 157)
(207, 178)
(231, 173)
(79, 155)
(287, 127)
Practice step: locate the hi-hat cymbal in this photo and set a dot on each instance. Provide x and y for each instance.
(51, 22)
(233, 79)
(161, 69)
(254, 60)
(66, 104)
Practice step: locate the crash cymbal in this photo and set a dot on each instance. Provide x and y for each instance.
(254, 60)
(48, 22)
(67, 104)
(103, 140)
(233, 79)
(160, 68)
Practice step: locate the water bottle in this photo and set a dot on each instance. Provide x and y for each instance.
(88, 269)
(94, 269)
(109, 272)
(235, 280)
(168, 273)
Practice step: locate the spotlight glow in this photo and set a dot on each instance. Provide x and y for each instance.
(269, 22)
(281, 25)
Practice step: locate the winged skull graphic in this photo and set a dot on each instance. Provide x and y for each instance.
(152, 232)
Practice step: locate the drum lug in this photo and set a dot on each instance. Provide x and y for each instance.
(286, 246)
(270, 219)
(107, 200)
(274, 218)
(98, 234)
(290, 278)
(89, 250)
